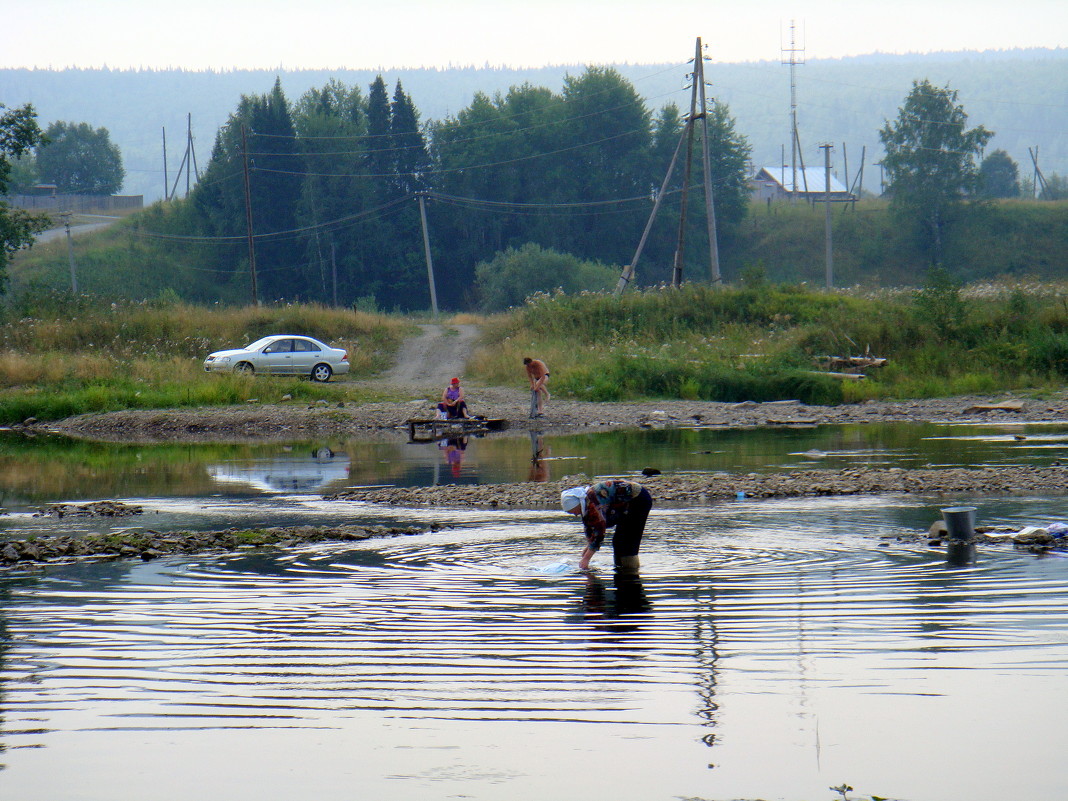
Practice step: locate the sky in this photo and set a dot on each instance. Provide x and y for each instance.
(334, 34)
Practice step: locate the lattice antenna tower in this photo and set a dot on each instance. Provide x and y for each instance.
(794, 56)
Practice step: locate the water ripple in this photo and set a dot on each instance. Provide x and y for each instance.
(384, 639)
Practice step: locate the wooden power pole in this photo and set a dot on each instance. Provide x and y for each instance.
(697, 95)
(248, 219)
(827, 212)
(429, 259)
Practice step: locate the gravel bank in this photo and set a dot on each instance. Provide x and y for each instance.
(148, 545)
(351, 419)
(691, 490)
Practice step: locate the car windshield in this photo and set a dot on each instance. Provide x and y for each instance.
(259, 343)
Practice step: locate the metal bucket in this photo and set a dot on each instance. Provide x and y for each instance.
(960, 522)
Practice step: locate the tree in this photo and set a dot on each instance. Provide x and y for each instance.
(1054, 188)
(80, 160)
(331, 128)
(18, 133)
(411, 162)
(999, 176)
(729, 153)
(930, 159)
(511, 277)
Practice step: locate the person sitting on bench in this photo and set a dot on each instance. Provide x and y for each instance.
(452, 401)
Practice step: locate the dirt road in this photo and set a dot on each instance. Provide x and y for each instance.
(432, 358)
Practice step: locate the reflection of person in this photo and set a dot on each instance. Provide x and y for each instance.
(452, 400)
(454, 454)
(629, 598)
(538, 374)
(616, 502)
(539, 468)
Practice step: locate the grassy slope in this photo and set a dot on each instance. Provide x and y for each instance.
(84, 356)
(764, 342)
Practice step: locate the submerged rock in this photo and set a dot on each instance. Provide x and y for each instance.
(147, 545)
(95, 509)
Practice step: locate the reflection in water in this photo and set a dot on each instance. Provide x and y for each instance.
(454, 450)
(55, 469)
(289, 471)
(539, 458)
(447, 664)
(620, 605)
(959, 554)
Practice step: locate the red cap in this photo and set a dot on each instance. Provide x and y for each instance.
(456, 381)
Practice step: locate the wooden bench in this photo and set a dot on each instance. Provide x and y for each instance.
(433, 429)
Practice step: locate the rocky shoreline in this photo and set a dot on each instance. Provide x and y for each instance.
(286, 420)
(289, 421)
(699, 490)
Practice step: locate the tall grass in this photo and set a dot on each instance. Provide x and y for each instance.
(61, 356)
(766, 342)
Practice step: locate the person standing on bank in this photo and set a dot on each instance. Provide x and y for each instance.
(538, 374)
(616, 502)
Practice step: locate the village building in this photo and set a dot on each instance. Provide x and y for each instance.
(777, 183)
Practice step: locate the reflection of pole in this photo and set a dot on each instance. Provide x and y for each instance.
(429, 260)
(70, 254)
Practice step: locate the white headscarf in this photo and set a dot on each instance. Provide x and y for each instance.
(576, 496)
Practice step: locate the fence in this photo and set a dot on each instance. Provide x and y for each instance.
(84, 204)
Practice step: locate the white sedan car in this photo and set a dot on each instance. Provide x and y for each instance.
(282, 354)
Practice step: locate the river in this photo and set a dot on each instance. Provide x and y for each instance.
(767, 649)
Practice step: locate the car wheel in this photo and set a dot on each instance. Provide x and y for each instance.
(321, 372)
(244, 367)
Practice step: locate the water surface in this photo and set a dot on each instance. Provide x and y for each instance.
(766, 650)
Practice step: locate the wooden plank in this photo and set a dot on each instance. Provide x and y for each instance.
(1004, 406)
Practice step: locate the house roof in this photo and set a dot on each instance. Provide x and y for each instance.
(812, 177)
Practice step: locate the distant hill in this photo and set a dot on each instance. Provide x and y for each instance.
(1022, 95)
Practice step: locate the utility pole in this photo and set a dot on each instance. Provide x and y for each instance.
(845, 165)
(192, 151)
(429, 260)
(680, 249)
(857, 188)
(70, 253)
(1039, 181)
(248, 218)
(687, 136)
(710, 206)
(188, 147)
(791, 57)
(333, 265)
(827, 215)
(628, 271)
(166, 180)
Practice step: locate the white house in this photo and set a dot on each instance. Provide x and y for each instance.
(777, 183)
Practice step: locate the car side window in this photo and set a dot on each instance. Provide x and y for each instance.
(305, 345)
(281, 346)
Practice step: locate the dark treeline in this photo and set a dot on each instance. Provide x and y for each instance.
(335, 180)
(844, 101)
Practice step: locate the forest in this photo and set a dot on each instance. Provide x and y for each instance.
(336, 187)
(344, 178)
(1017, 93)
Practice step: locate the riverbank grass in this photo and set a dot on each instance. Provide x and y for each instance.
(60, 358)
(760, 342)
